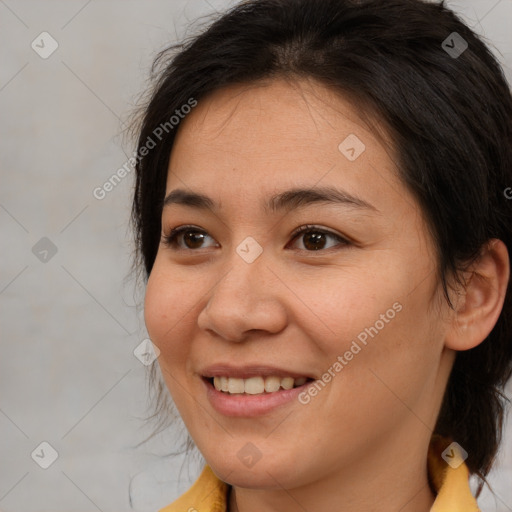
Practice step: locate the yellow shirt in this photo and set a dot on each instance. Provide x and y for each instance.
(209, 493)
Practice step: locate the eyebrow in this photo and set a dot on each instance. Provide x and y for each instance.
(287, 200)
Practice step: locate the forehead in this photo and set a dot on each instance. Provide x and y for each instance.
(293, 109)
(249, 139)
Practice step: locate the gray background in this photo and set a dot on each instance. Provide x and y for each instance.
(70, 321)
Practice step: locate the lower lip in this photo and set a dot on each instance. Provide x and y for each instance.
(244, 405)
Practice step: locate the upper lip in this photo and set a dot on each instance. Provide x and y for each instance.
(247, 371)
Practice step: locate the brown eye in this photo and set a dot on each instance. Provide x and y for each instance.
(192, 238)
(314, 239)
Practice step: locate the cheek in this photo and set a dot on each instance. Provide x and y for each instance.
(155, 308)
(168, 326)
(380, 323)
(165, 314)
(349, 304)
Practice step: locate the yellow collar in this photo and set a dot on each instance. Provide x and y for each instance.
(450, 483)
(209, 493)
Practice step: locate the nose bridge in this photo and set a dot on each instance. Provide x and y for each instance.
(243, 282)
(246, 262)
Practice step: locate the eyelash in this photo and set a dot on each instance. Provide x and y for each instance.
(169, 240)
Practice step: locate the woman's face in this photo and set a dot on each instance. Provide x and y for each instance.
(353, 304)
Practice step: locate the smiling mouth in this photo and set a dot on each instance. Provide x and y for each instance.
(257, 385)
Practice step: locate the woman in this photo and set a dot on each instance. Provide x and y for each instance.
(322, 214)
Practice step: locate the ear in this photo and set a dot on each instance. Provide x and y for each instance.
(478, 307)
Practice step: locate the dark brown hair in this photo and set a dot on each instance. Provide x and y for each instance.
(449, 117)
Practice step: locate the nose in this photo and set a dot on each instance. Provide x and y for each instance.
(244, 301)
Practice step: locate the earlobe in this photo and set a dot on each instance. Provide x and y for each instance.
(481, 303)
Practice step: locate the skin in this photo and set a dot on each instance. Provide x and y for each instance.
(361, 443)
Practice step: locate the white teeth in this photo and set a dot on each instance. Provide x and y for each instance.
(236, 385)
(256, 385)
(221, 383)
(287, 383)
(272, 384)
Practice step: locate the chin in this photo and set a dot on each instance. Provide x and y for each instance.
(250, 478)
(264, 474)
